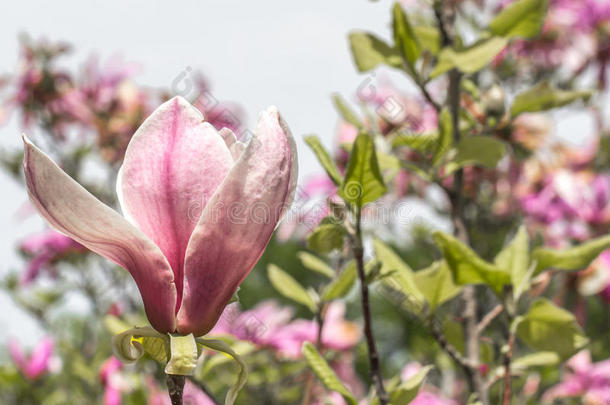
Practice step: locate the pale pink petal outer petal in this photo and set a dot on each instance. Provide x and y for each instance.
(172, 166)
(237, 224)
(73, 211)
(236, 147)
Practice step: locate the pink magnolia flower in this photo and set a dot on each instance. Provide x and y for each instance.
(199, 209)
(37, 363)
(583, 379)
(45, 248)
(110, 377)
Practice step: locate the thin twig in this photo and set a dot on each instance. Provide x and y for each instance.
(507, 360)
(376, 375)
(484, 323)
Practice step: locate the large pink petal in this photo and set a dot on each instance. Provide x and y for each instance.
(237, 224)
(172, 166)
(72, 210)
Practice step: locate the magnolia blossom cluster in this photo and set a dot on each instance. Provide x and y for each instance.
(102, 103)
(574, 37)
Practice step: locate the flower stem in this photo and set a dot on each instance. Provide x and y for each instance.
(175, 387)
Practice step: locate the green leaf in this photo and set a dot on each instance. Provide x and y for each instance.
(363, 181)
(421, 142)
(398, 276)
(326, 238)
(342, 285)
(550, 328)
(574, 258)
(183, 355)
(345, 111)
(471, 59)
(222, 347)
(409, 389)
(477, 150)
(522, 18)
(467, 267)
(429, 38)
(539, 359)
(316, 264)
(436, 284)
(128, 346)
(445, 139)
(404, 37)
(324, 158)
(544, 97)
(514, 259)
(369, 52)
(286, 285)
(326, 374)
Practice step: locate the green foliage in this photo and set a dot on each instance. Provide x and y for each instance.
(324, 158)
(408, 390)
(397, 275)
(520, 19)
(369, 52)
(345, 111)
(326, 374)
(470, 59)
(547, 327)
(326, 237)
(574, 258)
(477, 150)
(286, 285)
(515, 259)
(404, 38)
(316, 264)
(445, 139)
(436, 284)
(467, 267)
(341, 286)
(363, 180)
(543, 97)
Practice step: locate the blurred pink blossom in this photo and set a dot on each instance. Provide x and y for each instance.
(583, 379)
(110, 377)
(45, 248)
(35, 364)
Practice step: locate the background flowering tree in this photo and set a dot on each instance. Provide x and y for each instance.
(506, 304)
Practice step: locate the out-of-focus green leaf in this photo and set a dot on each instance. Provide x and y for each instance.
(550, 328)
(324, 158)
(409, 389)
(544, 97)
(436, 284)
(574, 258)
(363, 181)
(286, 285)
(369, 52)
(514, 258)
(471, 59)
(467, 267)
(326, 374)
(398, 276)
(538, 359)
(183, 355)
(477, 150)
(522, 18)
(423, 142)
(429, 38)
(242, 378)
(404, 37)
(316, 264)
(345, 111)
(342, 285)
(445, 139)
(326, 238)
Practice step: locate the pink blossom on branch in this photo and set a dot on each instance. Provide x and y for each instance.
(199, 209)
